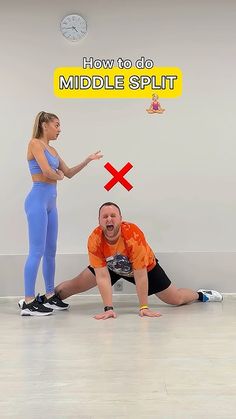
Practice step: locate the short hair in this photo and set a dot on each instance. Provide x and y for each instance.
(108, 204)
(38, 123)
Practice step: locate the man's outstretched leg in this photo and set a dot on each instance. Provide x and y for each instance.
(81, 283)
(178, 296)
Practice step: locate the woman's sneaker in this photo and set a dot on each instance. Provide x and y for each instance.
(35, 308)
(54, 302)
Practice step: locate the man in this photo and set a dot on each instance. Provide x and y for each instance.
(118, 249)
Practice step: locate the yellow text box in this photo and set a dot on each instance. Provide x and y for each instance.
(77, 82)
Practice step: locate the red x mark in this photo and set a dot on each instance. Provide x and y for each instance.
(118, 176)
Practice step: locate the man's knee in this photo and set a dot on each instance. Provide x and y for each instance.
(177, 299)
(172, 296)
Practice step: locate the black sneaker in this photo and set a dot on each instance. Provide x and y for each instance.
(54, 302)
(35, 308)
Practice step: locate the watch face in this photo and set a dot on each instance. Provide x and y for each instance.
(73, 27)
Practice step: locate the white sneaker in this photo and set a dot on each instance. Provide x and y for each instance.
(211, 295)
(53, 302)
(20, 303)
(35, 308)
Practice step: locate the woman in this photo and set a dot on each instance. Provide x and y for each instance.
(46, 168)
(155, 106)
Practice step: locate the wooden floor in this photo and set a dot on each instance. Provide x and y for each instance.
(68, 365)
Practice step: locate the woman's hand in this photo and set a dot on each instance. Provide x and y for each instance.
(95, 156)
(60, 174)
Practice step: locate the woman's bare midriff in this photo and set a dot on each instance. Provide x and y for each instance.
(41, 178)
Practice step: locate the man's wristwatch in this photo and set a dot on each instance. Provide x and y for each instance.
(107, 308)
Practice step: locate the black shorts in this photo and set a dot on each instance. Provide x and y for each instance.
(157, 279)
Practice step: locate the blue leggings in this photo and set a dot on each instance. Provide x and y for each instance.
(41, 211)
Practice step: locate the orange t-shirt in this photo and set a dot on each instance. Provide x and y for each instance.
(129, 253)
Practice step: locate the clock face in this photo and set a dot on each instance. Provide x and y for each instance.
(73, 27)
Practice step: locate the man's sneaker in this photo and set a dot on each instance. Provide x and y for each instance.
(35, 308)
(211, 295)
(54, 302)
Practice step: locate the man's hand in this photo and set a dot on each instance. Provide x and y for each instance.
(148, 313)
(106, 315)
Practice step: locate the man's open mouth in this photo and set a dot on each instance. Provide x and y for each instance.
(110, 227)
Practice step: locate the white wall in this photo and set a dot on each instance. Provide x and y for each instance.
(184, 161)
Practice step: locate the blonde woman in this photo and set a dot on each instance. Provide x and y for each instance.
(46, 168)
(155, 106)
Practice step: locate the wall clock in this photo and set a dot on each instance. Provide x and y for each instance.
(73, 27)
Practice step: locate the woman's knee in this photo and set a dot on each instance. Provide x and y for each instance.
(36, 254)
(50, 253)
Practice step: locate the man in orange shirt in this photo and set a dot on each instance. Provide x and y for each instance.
(118, 249)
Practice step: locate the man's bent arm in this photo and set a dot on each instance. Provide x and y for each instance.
(141, 281)
(104, 285)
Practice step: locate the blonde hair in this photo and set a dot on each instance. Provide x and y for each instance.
(39, 120)
(154, 96)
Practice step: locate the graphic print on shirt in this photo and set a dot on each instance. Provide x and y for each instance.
(120, 264)
(131, 252)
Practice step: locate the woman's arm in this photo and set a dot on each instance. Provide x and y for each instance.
(38, 152)
(72, 171)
